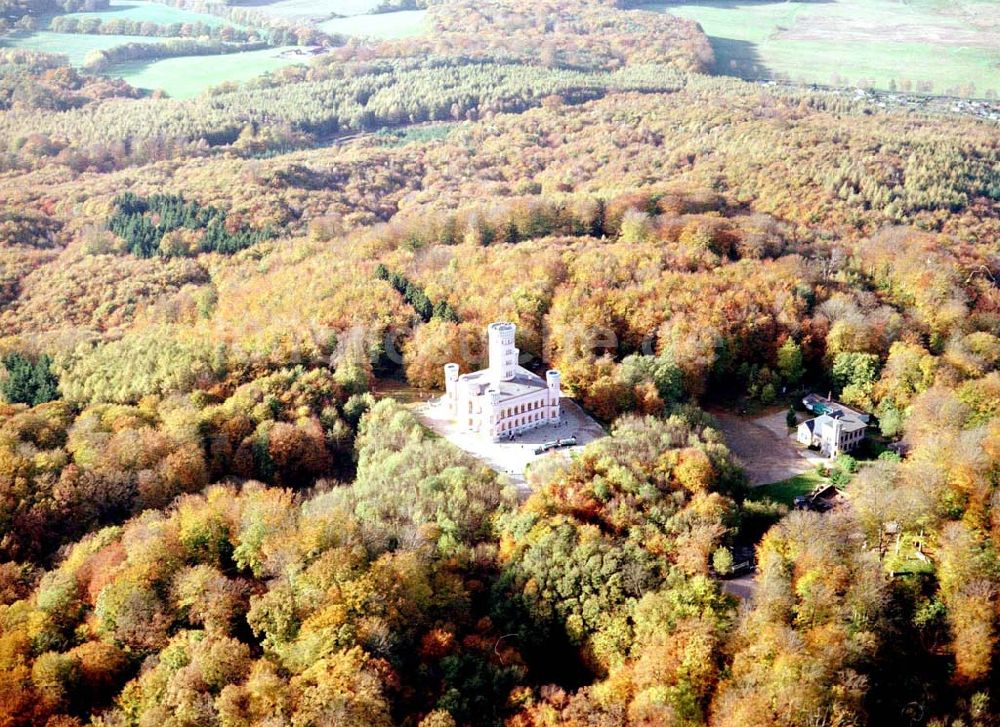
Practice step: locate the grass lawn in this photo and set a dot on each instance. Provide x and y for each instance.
(787, 490)
(903, 559)
(845, 42)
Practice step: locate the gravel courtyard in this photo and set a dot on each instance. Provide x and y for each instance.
(764, 446)
(512, 458)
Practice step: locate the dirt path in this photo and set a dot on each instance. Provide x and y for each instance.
(764, 446)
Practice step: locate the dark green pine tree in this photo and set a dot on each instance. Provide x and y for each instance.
(445, 312)
(29, 382)
(597, 222)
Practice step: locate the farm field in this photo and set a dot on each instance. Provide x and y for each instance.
(316, 10)
(190, 75)
(237, 486)
(881, 43)
(75, 46)
(187, 76)
(179, 77)
(381, 25)
(148, 12)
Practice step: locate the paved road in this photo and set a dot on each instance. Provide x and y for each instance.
(743, 587)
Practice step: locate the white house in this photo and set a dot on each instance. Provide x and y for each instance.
(838, 428)
(504, 398)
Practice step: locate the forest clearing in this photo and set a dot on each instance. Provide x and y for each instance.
(765, 447)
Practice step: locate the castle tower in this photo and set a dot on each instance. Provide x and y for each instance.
(451, 387)
(503, 354)
(492, 417)
(552, 381)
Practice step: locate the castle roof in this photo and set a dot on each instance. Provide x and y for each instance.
(524, 382)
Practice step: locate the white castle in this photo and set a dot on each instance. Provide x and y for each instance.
(505, 398)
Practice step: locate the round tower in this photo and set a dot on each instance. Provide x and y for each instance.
(492, 416)
(451, 386)
(552, 380)
(503, 354)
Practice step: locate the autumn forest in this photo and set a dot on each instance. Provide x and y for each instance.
(213, 513)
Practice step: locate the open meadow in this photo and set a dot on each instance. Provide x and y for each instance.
(256, 343)
(929, 45)
(190, 75)
(400, 24)
(180, 77)
(315, 10)
(74, 46)
(186, 76)
(148, 12)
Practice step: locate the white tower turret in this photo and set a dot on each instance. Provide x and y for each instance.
(552, 381)
(503, 354)
(451, 387)
(493, 415)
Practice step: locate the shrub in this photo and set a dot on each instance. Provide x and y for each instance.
(722, 561)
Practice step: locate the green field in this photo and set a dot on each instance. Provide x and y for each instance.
(190, 75)
(787, 490)
(150, 12)
(878, 43)
(179, 77)
(315, 10)
(401, 24)
(73, 45)
(76, 46)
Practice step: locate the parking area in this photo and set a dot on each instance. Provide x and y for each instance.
(765, 447)
(512, 458)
